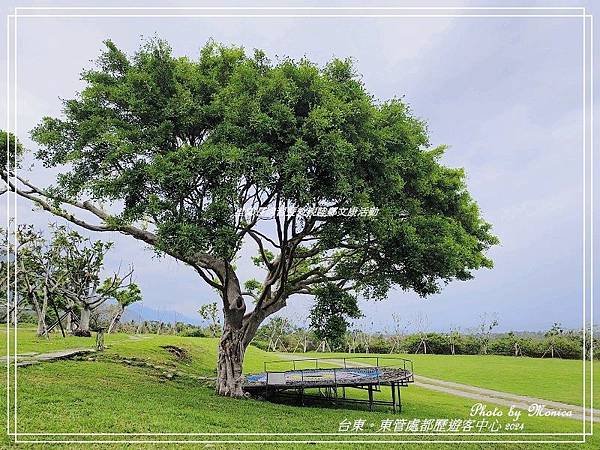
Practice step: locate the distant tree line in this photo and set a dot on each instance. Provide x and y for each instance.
(101, 318)
(280, 334)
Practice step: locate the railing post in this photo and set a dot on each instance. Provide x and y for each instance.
(399, 399)
(302, 388)
(335, 387)
(267, 386)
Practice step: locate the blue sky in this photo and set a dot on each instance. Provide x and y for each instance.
(503, 93)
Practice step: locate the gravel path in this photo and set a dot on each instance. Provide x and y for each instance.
(484, 395)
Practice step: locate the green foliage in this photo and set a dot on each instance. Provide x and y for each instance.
(277, 327)
(252, 285)
(186, 143)
(11, 150)
(259, 260)
(210, 313)
(41, 272)
(63, 270)
(128, 295)
(84, 261)
(329, 315)
(566, 346)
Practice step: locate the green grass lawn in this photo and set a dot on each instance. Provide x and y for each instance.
(147, 347)
(103, 396)
(552, 379)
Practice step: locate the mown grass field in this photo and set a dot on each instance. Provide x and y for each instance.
(105, 396)
(552, 379)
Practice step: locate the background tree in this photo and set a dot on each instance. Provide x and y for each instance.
(277, 330)
(210, 313)
(552, 336)
(351, 340)
(487, 323)
(9, 144)
(399, 329)
(85, 287)
(454, 337)
(37, 267)
(10, 306)
(422, 326)
(39, 270)
(329, 315)
(302, 334)
(365, 337)
(124, 297)
(515, 341)
(27, 274)
(181, 149)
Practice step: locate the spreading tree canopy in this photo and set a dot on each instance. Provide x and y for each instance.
(184, 151)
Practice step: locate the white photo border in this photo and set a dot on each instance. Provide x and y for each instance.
(587, 55)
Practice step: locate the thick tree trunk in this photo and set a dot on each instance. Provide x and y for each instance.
(238, 331)
(229, 364)
(234, 340)
(42, 329)
(41, 326)
(84, 322)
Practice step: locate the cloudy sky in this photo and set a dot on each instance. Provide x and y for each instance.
(504, 93)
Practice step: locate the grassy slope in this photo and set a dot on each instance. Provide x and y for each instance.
(103, 396)
(148, 347)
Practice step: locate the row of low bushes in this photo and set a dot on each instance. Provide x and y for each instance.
(157, 327)
(566, 345)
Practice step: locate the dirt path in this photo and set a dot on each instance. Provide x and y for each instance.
(504, 398)
(485, 395)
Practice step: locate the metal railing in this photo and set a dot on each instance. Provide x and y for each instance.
(380, 362)
(324, 364)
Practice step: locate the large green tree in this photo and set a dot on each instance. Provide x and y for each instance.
(184, 151)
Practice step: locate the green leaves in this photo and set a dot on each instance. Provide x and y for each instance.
(330, 313)
(11, 151)
(188, 144)
(128, 295)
